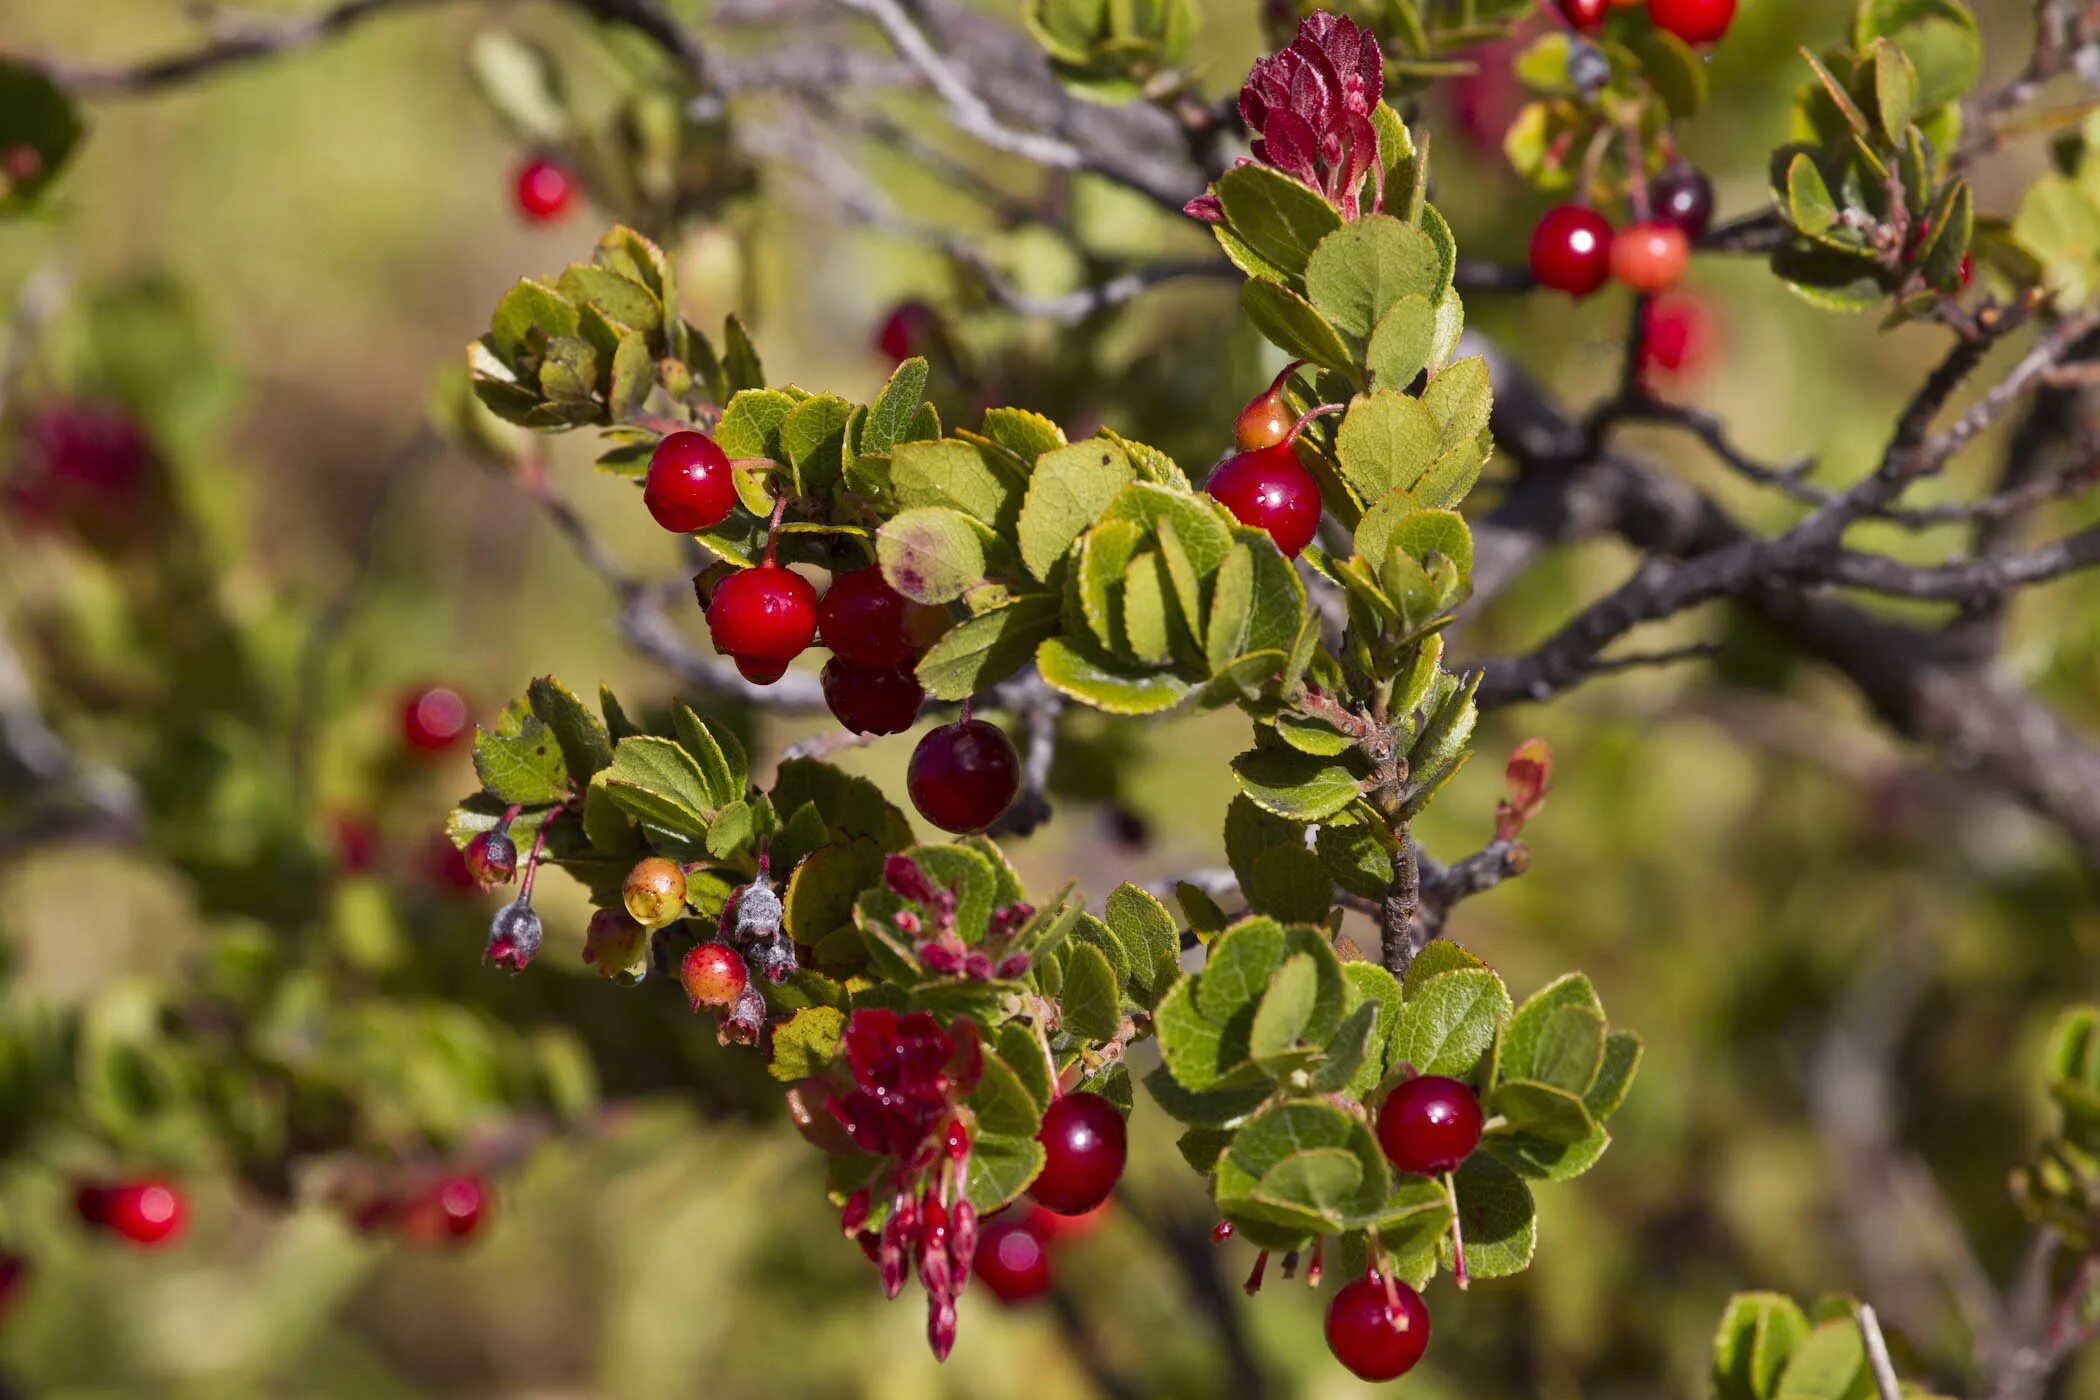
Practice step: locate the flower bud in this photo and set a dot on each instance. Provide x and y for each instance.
(906, 880)
(514, 935)
(655, 892)
(617, 946)
(940, 1327)
(962, 1240)
(746, 1021)
(492, 858)
(855, 1213)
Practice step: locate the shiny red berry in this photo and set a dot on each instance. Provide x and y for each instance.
(691, 485)
(910, 328)
(1378, 1335)
(433, 720)
(461, 1203)
(1011, 1261)
(545, 190)
(1429, 1124)
(868, 700)
(713, 975)
(766, 615)
(1271, 490)
(148, 1212)
(1585, 16)
(868, 622)
(1682, 195)
(1694, 21)
(1650, 257)
(963, 775)
(1571, 250)
(1083, 1150)
(759, 670)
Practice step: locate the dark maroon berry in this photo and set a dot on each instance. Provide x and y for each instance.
(544, 190)
(1429, 1124)
(963, 775)
(434, 719)
(148, 1212)
(1571, 250)
(911, 328)
(870, 623)
(871, 701)
(14, 1276)
(764, 615)
(1271, 490)
(515, 935)
(1378, 1328)
(1682, 195)
(1083, 1150)
(1011, 1261)
(691, 485)
(1584, 16)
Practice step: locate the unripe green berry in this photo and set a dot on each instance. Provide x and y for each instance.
(617, 946)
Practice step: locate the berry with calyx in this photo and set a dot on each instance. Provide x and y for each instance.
(147, 1212)
(870, 623)
(515, 935)
(1650, 257)
(433, 719)
(871, 700)
(1083, 1140)
(1011, 1261)
(1270, 489)
(1429, 1125)
(1694, 21)
(617, 946)
(714, 975)
(765, 615)
(1682, 195)
(690, 485)
(743, 1023)
(492, 857)
(1378, 1328)
(544, 190)
(963, 775)
(1584, 16)
(911, 328)
(1267, 419)
(1571, 250)
(654, 892)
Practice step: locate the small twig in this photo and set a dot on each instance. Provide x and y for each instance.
(1878, 1354)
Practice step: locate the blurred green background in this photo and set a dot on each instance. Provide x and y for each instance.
(1731, 851)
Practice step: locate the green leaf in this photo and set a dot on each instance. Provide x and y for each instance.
(1446, 1025)
(1299, 786)
(931, 554)
(1197, 1050)
(890, 417)
(1279, 1132)
(1216, 1109)
(751, 425)
(2059, 224)
(1831, 1364)
(1145, 626)
(586, 747)
(1461, 398)
(1091, 1003)
(1386, 441)
(1076, 669)
(1544, 1111)
(1288, 882)
(1142, 922)
(622, 300)
(1002, 1102)
(657, 781)
(519, 759)
(1280, 220)
(1557, 1035)
(1027, 435)
(722, 770)
(1232, 600)
(1939, 37)
(1953, 223)
(806, 1043)
(1758, 1335)
(1374, 986)
(987, 649)
(1497, 1218)
(1424, 534)
(1359, 271)
(814, 437)
(1241, 962)
(1677, 74)
(1000, 1169)
(1291, 323)
(960, 476)
(1404, 343)
(1323, 1180)
(1895, 92)
(820, 893)
(1067, 493)
(1285, 1008)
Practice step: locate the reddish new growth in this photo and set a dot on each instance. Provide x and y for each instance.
(932, 933)
(908, 1076)
(1528, 778)
(1309, 107)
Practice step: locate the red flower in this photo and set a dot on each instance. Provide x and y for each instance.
(1309, 107)
(907, 1074)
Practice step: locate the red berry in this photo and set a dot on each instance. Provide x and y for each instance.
(868, 622)
(1650, 257)
(758, 670)
(356, 843)
(433, 720)
(148, 1212)
(1694, 21)
(1011, 1261)
(447, 866)
(1571, 250)
(544, 190)
(1378, 1335)
(1584, 16)
(1083, 1146)
(1682, 195)
(1679, 335)
(963, 775)
(1051, 1228)
(765, 615)
(1271, 490)
(1429, 1125)
(911, 328)
(691, 485)
(714, 975)
(462, 1202)
(870, 701)
(491, 858)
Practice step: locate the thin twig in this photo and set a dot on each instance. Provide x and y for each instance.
(1878, 1362)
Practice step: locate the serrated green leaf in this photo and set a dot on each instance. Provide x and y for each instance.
(1386, 441)
(1758, 1335)
(1002, 1101)
(1284, 1009)
(1278, 219)
(987, 649)
(805, 1043)
(1000, 1169)
(1359, 271)
(1293, 325)
(1544, 1111)
(1068, 491)
(931, 554)
(519, 760)
(1830, 1364)
(1403, 344)
(1447, 1023)
(1497, 1217)
(1299, 786)
(1077, 669)
(1090, 1004)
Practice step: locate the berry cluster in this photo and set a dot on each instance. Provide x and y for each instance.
(1694, 21)
(1264, 484)
(931, 929)
(1574, 249)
